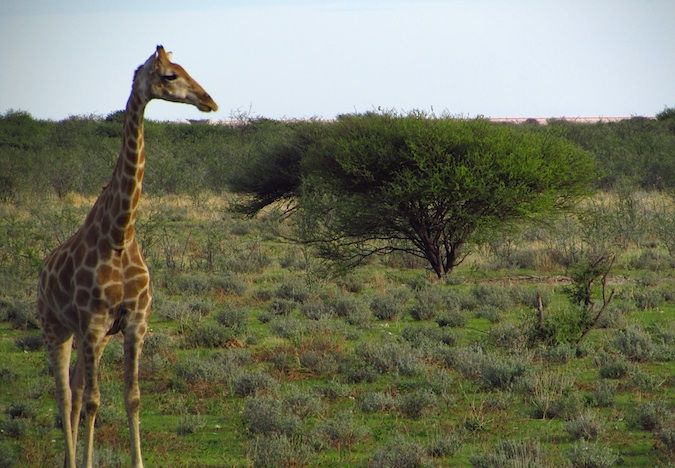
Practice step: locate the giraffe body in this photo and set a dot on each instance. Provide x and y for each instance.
(96, 283)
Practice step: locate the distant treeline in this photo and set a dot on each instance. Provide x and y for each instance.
(78, 154)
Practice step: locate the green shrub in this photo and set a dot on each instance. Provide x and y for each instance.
(665, 441)
(265, 415)
(302, 404)
(585, 426)
(387, 306)
(30, 342)
(208, 335)
(371, 402)
(341, 431)
(560, 354)
(189, 424)
(645, 381)
(22, 315)
(356, 370)
(413, 405)
(232, 318)
(506, 335)
(275, 450)
(445, 445)
(7, 375)
(427, 337)
(14, 428)
(489, 313)
(603, 395)
(525, 453)
(350, 308)
(452, 318)
(399, 452)
(649, 298)
(612, 366)
(387, 357)
(294, 289)
(651, 415)
(427, 304)
(502, 372)
(587, 455)
(651, 260)
(492, 295)
(253, 383)
(281, 306)
(634, 343)
(315, 309)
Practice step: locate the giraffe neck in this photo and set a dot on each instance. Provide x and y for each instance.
(122, 195)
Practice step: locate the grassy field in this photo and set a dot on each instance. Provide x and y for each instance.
(259, 354)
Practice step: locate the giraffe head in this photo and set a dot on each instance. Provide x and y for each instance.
(168, 81)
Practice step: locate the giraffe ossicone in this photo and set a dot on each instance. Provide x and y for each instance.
(96, 283)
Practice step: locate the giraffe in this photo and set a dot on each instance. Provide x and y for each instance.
(96, 283)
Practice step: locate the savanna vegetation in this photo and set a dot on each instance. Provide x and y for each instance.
(550, 344)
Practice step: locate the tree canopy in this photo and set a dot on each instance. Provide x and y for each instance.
(376, 183)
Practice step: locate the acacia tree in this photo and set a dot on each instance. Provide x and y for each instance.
(379, 183)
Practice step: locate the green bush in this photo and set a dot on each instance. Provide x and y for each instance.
(445, 445)
(265, 415)
(603, 394)
(398, 452)
(208, 335)
(341, 431)
(415, 404)
(585, 426)
(31, 342)
(274, 450)
(388, 306)
(587, 455)
(452, 318)
(612, 366)
(651, 415)
(253, 383)
(525, 453)
(388, 357)
(634, 343)
(371, 402)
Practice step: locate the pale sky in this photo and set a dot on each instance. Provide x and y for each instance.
(301, 58)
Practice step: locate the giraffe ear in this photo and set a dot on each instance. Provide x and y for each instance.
(162, 55)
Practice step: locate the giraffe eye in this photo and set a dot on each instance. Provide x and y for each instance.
(170, 77)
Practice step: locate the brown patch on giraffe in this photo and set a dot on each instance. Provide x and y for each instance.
(91, 236)
(133, 286)
(113, 293)
(66, 273)
(79, 253)
(134, 270)
(82, 297)
(84, 277)
(91, 259)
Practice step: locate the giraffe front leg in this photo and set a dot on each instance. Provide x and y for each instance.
(92, 347)
(59, 354)
(133, 343)
(77, 390)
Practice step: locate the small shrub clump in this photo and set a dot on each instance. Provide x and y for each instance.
(585, 426)
(445, 445)
(388, 306)
(634, 343)
(527, 453)
(271, 450)
(399, 452)
(372, 402)
(265, 415)
(417, 403)
(651, 416)
(253, 383)
(591, 455)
